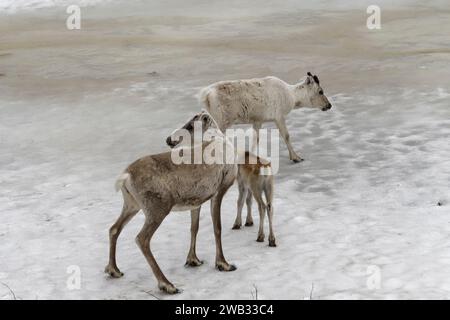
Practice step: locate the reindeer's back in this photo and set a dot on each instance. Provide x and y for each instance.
(245, 101)
(254, 165)
(158, 175)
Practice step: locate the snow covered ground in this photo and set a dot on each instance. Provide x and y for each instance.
(370, 202)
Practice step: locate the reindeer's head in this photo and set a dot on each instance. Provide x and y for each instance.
(199, 123)
(310, 94)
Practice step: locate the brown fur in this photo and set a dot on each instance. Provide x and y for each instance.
(253, 164)
(156, 185)
(251, 181)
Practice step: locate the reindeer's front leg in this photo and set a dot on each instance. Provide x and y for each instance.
(281, 124)
(192, 259)
(216, 202)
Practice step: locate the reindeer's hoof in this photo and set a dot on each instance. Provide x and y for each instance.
(193, 262)
(225, 266)
(260, 238)
(236, 227)
(297, 160)
(168, 288)
(249, 223)
(232, 267)
(272, 243)
(113, 272)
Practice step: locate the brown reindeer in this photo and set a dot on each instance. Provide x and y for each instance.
(157, 186)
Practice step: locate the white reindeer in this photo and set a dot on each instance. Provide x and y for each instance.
(157, 186)
(259, 100)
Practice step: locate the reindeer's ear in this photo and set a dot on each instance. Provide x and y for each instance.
(308, 80)
(316, 79)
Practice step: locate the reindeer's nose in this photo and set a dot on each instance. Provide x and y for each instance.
(328, 107)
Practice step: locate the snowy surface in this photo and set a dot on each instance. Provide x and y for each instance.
(17, 6)
(77, 107)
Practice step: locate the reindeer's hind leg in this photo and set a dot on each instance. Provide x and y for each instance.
(129, 210)
(268, 191)
(249, 219)
(154, 215)
(240, 203)
(192, 259)
(257, 193)
(256, 127)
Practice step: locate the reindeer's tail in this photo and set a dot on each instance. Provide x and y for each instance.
(204, 97)
(208, 98)
(121, 180)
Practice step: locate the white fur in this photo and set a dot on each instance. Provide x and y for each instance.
(266, 99)
(259, 100)
(121, 181)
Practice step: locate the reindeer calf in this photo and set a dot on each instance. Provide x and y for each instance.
(252, 181)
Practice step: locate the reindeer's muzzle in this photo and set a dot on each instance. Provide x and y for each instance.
(328, 107)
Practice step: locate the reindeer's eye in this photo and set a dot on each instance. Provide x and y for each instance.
(321, 92)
